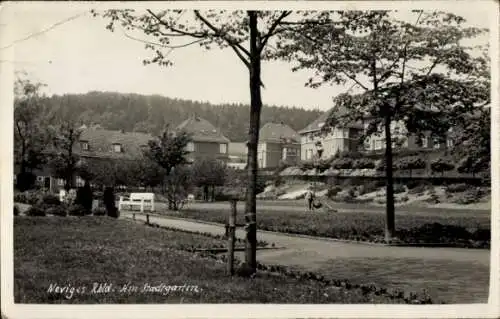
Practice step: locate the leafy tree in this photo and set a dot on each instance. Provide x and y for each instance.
(30, 135)
(410, 163)
(208, 173)
(179, 183)
(64, 161)
(472, 142)
(247, 33)
(168, 151)
(420, 73)
(442, 165)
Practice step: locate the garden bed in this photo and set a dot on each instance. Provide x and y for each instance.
(78, 252)
(440, 230)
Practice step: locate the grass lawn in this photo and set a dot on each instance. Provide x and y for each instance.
(77, 252)
(344, 225)
(444, 281)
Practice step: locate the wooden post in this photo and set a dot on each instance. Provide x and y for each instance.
(133, 216)
(147, 219)
(231, 238)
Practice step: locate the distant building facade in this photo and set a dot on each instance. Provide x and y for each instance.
(278, 143)
(346, 138)
(207, 140)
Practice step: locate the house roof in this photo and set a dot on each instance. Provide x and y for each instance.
(101, 141)
(278, 132)
(318, 123)
(202, 130)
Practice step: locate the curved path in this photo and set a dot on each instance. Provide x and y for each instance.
(322, 249)
(452, 275)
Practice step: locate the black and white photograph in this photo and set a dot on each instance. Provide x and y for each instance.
(246, 153)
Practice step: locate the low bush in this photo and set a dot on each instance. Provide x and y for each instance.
(113, 212)
(16, 210)
(35, 210)
(442, 165)
(472, 195)
(420, 188)
(363, 163)
(333, 191)
(100, 211)
(31, 197)
(77, 210)
(57, 210)
(342, 163)
(369, 187)
(457, 188)
(51, 200)
(399, 188)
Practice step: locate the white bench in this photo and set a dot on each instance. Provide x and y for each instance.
(138, 199)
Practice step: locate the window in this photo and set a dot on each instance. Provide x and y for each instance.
(190, 147)
(223, 148)
(449, 143)
(425, 142)
(436, 143)
(117, 148)
(85, 146)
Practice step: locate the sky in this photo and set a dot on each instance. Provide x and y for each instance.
(81, 55)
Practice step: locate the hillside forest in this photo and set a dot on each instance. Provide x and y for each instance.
(151, 113)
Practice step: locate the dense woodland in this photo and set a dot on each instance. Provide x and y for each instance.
(150, 113)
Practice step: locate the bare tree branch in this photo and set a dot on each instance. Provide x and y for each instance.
(160, 44)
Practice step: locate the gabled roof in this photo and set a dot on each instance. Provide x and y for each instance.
(318, 123)
(278, 132)
(101, 142)
(202, 130)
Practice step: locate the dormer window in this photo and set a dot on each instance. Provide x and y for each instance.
(85, 145)
(117, 148)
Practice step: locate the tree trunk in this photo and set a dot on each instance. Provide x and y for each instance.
(389, 223)
(253, 139)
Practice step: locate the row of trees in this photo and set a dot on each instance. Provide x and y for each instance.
(162, 165)
(419, 72)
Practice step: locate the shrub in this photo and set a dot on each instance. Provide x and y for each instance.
(109, 199)
(363, 163)
(84, 197)
(20, 198)
(114, 212)
(333, 191)
(51, 200)
(35, 210)
(420, 188)
(306, 165)
(369, 187)
(342, 163)
(399, 188)
(472, 195)
(442, 165)
(16, 210)
(59, 210)
(410, 163)
(457, 188)
(100, 211)
(77, 210)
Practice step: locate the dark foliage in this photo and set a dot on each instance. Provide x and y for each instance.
(25, 181)
(58, 210)
(342, 163)
(457, 188)
(109, 200)
(364, 163)
(51, 200)
(77, 210)
(16, 210)
(84, 197)
(150, 113)
(35, 210)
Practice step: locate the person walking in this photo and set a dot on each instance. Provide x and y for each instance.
(310, 198)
